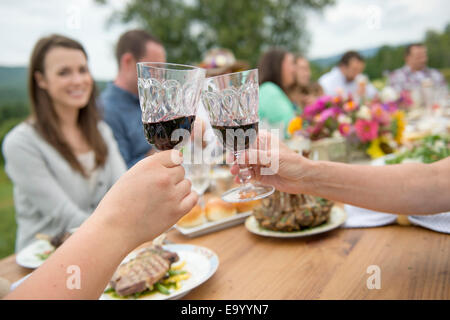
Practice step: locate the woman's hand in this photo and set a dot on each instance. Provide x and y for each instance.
(272, 163)
(148, 199)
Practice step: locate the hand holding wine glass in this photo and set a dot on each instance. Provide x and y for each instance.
(231, 101)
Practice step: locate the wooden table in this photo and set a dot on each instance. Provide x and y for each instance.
(414, 264)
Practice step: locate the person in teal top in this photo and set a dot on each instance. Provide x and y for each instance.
(277, 74)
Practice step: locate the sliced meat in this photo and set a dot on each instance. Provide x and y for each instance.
(142, 272)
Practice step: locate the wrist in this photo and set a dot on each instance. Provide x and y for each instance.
(112, 230)
(310, 178)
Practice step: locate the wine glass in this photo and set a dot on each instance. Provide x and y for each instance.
(231, 101)
(168, 95)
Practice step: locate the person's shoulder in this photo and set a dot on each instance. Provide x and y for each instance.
(327, 76)
(270, 88)
(104, 128)
(22, 135)
(22, 131)
(110, 97)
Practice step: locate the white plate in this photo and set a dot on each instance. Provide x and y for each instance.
(212, 226)
(28, 258)
(337, 218)
(201, 263)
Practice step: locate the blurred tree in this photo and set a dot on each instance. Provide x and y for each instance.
(438, 47)
(188, 28)
(387, 58)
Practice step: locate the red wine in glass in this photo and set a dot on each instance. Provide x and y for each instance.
(237, 138)
(159, 134)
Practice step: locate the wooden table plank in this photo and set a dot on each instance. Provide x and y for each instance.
(414, 264)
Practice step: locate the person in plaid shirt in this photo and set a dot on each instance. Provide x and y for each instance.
(415, 73)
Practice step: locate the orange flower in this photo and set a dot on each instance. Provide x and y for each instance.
(295, 125)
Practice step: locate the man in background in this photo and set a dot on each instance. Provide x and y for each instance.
(415, 73)
(120, 100)
(347, 78)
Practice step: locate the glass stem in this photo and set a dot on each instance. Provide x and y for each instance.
(244, 174)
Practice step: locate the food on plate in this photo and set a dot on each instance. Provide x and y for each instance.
(55, 241)
(150, 271)
(193, 218)
(247, 206)
(290, 212)
(217, 209)
(430, 149)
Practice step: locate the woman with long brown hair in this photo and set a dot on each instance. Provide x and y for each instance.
(276, 75)
(63, 158)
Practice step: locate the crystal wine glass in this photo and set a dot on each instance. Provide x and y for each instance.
(169, 95)
(231, 101)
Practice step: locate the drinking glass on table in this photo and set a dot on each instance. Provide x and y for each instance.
(231, 101)
(169, 95)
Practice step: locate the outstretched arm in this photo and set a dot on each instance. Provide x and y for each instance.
(144, 202)
(401, 189)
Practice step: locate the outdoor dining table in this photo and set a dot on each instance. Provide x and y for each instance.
(412, 263)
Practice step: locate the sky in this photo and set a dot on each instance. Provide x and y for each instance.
(349, 24)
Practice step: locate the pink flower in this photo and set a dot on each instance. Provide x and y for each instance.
(405, 98)
(380, 114)
(329, 113)
(313, 109)
(345, 129)
(366, 130)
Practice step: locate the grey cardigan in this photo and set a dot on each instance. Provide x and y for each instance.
(49, 196)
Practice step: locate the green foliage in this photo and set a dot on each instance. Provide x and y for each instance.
(7, 221)
(189, 28)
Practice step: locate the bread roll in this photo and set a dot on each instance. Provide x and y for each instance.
(193, 218)
(247, 206)
(217, 209)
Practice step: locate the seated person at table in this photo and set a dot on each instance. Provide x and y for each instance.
(304, 91)
(276, 75)
(415, 71)
(63, 158)
(410, 188)
(120, 100)
(347, 78)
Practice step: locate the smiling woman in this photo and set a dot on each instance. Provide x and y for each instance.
(63, 158)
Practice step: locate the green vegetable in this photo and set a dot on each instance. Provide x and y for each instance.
(427, 150)
(176, 272)
(161, 288)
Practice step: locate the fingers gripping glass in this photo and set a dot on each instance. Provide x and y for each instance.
(231, 101)
(168, 95)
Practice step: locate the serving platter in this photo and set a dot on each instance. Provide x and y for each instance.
(212, 226)
(337, 218)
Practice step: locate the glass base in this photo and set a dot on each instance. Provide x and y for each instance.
(247, 193)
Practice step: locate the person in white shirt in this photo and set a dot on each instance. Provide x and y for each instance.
(347, 78)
